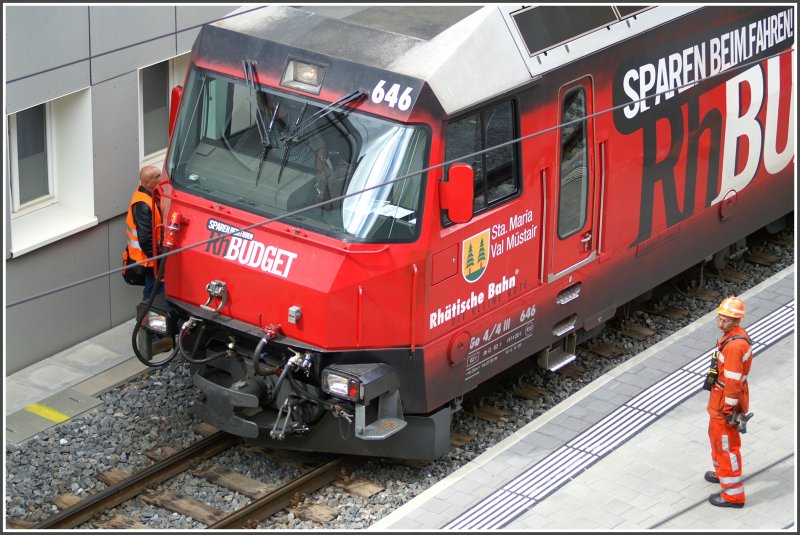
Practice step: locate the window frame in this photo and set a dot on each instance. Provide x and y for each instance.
(176, 73)
(20, 209)
(515, 153)
(562, 208)
(70, 208)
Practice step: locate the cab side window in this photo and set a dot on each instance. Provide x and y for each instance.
(496, 174)
(574, 176)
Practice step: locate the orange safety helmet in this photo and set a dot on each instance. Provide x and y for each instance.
(733, 307)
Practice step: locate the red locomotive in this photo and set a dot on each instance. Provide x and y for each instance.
(375, 209)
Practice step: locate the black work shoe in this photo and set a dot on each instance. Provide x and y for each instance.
(716, 499)
(710, 477)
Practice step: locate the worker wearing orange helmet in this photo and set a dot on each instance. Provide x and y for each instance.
(729, 395)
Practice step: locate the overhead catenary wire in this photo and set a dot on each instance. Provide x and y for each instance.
(293, 213)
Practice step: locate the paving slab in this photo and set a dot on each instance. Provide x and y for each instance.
(53, 410)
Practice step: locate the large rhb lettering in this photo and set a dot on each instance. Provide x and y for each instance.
(663, 172)
(744, 143)
(742, 124)
(703, 145)
(775, 161)
(220, 246)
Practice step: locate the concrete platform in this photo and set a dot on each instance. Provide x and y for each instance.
(628, 452)
(66, 384)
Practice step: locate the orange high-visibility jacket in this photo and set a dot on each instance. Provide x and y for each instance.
(731, 391)
(140, 224)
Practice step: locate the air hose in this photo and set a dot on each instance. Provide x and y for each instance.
(143, 315)
(185, 328)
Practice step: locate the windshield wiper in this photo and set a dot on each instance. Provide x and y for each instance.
(272, 121)
(290, 141)
(266, 144)
(355, 95)
(249, 69)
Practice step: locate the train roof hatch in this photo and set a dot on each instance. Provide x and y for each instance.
(549, 36)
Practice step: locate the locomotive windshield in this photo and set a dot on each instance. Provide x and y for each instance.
(332, 169)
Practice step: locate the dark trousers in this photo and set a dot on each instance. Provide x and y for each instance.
(149, 283)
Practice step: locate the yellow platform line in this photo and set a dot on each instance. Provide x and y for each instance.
(47, 412)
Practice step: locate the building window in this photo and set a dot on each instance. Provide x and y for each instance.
(29, 150)
(496, 176)
(155, 87)
(51, 173)
(155, 106)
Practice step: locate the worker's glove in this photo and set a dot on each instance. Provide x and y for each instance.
(739, 420)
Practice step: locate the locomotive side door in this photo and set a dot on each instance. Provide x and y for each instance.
(573, 242)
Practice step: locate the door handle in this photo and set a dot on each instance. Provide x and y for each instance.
(586, 240)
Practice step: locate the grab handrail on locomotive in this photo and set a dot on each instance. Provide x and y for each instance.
(370, 216)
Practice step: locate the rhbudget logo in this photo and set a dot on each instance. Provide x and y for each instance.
(241, 246)
(475, 252)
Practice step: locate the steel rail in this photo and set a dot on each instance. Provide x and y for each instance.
(262, 508)
(134, 485)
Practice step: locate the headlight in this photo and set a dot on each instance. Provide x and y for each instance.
(161, 318)
(303, 76)
(359, 382)
(155, 322)
(341, 386)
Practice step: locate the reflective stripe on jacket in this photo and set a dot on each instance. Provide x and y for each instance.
(139, 226)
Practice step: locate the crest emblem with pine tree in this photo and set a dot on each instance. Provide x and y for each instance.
(475, 252)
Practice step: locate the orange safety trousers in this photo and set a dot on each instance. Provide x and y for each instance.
(727, 459)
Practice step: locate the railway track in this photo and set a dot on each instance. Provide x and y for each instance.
(266, 500)
(130, 486)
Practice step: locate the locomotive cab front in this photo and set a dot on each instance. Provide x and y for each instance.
(301, 258)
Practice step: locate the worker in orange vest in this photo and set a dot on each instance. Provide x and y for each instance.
(729, 400)
(140, 223)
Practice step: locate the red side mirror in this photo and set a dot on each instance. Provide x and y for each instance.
(174, 104)
(456, 195)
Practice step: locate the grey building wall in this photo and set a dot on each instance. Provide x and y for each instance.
(52, 51)
(47, 53)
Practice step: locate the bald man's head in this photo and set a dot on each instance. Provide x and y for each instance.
(149, 176)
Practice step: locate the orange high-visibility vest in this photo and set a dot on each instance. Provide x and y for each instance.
(135, 251)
